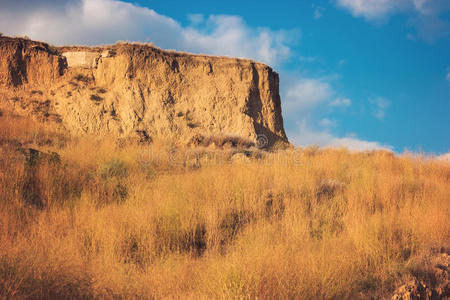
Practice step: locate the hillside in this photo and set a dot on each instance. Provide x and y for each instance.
(95, 218)
(139, 90)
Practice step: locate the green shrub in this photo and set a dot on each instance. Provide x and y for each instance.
(113, 168)
(111, 186)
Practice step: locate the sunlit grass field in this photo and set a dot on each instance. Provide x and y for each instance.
(105, 218)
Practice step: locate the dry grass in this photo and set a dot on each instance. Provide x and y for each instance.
(115, 220)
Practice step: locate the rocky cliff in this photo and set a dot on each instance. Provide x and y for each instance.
(129, 89)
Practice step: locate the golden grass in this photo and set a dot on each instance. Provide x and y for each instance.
(119, 220)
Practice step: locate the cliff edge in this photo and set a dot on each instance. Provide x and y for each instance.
(128, 89)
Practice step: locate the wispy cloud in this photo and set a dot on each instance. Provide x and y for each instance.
(342, 62)
(196, 18)
(308, 59)
(423, 15)
(448, 74)
(327, 123)
(341, 102)
(318, 11)
(379, 107)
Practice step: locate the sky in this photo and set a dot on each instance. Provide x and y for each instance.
(364, 74)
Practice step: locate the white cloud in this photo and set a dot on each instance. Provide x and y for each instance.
(341, 102)
(304, 135)
(306, 93)
(373, 9)
(92, 22)
(376, 9)
(423, 15)
(379, 107)
(355, 144)
(106, 21)
(302, 106)
(307, 120)
(229, 35)
(448, 74)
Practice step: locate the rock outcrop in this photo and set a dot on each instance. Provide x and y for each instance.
(438, 282)
(129, 89)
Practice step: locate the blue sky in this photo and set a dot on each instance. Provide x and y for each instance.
(362, 74)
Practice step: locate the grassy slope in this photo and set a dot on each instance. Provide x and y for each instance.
(125, 221)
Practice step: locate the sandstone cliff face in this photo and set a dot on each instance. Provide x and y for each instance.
(127, 89)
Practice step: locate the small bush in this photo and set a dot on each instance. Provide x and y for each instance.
(312, 150)
(192, 124)
(274, 205)
(220, 141)
(113, 168)
(95, 97)
(38, 92)
(111, 188)
(231, 224)
(120, 192)
(82, 78)
(328, 188)
(281, 145)
(172, 238)
(46, 182)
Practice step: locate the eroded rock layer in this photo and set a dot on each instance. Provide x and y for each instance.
(126, 89)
